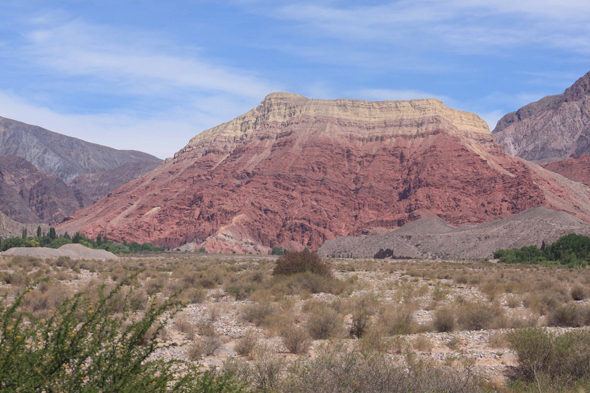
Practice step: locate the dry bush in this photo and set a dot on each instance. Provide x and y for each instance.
(454, 343)
(397, 320)
(301, 262)
(212, 344)
(373, 341)
(206, 329)
(296, 339)
(497, 340)
(363, 307)
(422, 344)
(183, 325)
(324, 323)
(196, 350)
(258, 313)
(569, 315)
(492, 289)
(513, 301)
(478, 316)
(579, 292)
(444, 320)
(245, 345)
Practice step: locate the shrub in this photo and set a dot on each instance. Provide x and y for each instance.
(84, 345)
(565, 357)
(345, 370)
(324, 323)
(478, 316)
(295, 339)
(579, 292)
(444, 320)
(398, 320)
(422, 344)
(301, 262)
(258, 313)
(246, 344)
(569, 315)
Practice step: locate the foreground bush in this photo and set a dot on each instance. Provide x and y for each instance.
(84, 347)
(542, 355)
(337, 369)
(301, 262)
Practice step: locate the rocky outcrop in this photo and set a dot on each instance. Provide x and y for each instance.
(28, 195)
(296, 172)
(552, 129)
(97, 185)
(576, 169)
(60, 155)
(433, 238)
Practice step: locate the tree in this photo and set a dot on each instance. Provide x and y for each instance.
(99, 239)
(67, 236)
(52, 233)
(39, 233)
(24, 234)
(276, 250)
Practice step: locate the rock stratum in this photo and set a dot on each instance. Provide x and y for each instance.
(28, 195)
(60, 155)
(296, 172)
(435, 239)
(552, 129)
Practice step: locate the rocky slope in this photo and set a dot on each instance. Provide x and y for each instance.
(295, 172)
(576, 169)
(60, 155)
(551, 129)
(96, 185)
(28, 195)
(11, 228)
(433, 238)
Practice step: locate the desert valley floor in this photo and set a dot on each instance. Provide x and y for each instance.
(238, 316)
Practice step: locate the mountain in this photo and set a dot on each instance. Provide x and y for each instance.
(552, 129)
(60, 155)
(97, 185)
(576, 169)
(11, 228)
(433, 238)
(28, 195)
(295, 172)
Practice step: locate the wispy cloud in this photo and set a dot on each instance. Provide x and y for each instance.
(478, 26)
(132, 58)
(395, 95)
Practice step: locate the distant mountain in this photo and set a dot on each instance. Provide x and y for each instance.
(552, 129)
(295, 172)
(576, 169)
(28, 195)
(11, 228)
(433, 238)
(98, 185)
(60, 155)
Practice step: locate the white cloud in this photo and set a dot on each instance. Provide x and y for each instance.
(142, 62)
(479, 26)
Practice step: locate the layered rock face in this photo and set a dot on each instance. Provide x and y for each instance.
(60, 155)
(28, 195)
(552, 129)
(295, 172)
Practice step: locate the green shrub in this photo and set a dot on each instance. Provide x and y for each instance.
(479, 316)
(85, 347)
(301, 262)
(565, 357)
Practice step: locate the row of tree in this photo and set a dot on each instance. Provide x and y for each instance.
(572, 250)
(53, 240)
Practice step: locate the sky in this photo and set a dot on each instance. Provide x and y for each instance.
(151, 74)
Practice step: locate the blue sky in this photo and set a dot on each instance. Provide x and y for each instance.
(149, 75)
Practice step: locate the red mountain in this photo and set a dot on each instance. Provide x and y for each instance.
(576, 169)
(295, 172)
